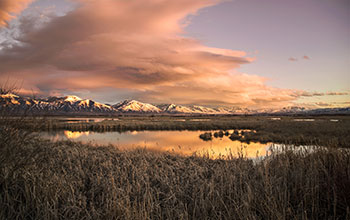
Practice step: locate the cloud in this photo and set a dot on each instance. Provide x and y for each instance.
(133, 47)
(293, 59)
(324, 104)
(8, 9)
(332, 104)
(337, 93)
(313, 94)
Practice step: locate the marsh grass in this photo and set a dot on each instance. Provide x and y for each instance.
(40, 179)
(322, 131)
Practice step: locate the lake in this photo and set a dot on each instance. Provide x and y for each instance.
(181, 142)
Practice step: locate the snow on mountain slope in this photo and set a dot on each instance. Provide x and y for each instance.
(76, 104)
(204, 110)
(14, 104)
(172, 108)
(10, 99)
(9, 96)
(194, 109)
(72, 99)
(68, 104)
(136, 106)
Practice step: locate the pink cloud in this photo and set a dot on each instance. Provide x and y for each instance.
(293, 59)
(8, 9)
(134, 46)
(332, 104)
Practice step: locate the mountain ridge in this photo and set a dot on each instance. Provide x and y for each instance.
(15, 104)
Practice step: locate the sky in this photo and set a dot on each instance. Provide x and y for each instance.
(242, 53)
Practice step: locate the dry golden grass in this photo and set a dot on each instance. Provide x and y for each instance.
(65, 180)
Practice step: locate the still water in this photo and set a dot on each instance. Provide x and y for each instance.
(181, 142)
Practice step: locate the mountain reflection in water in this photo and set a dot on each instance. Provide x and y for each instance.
(181, 142)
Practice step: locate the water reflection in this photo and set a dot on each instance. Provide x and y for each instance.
(181, 142)
(275, 119)
(304, 119)
(206, 119)
(79, 120)
(75, 134)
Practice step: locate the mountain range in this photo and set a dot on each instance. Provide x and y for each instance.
(14, 104)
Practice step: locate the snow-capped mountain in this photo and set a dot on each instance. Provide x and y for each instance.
(14, 104)
(54, 105)
(176, 109)
(136, 106)
(193, 109)
(76, 104)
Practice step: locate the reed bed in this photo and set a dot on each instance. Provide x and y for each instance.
(40, 179)
(322, 131)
